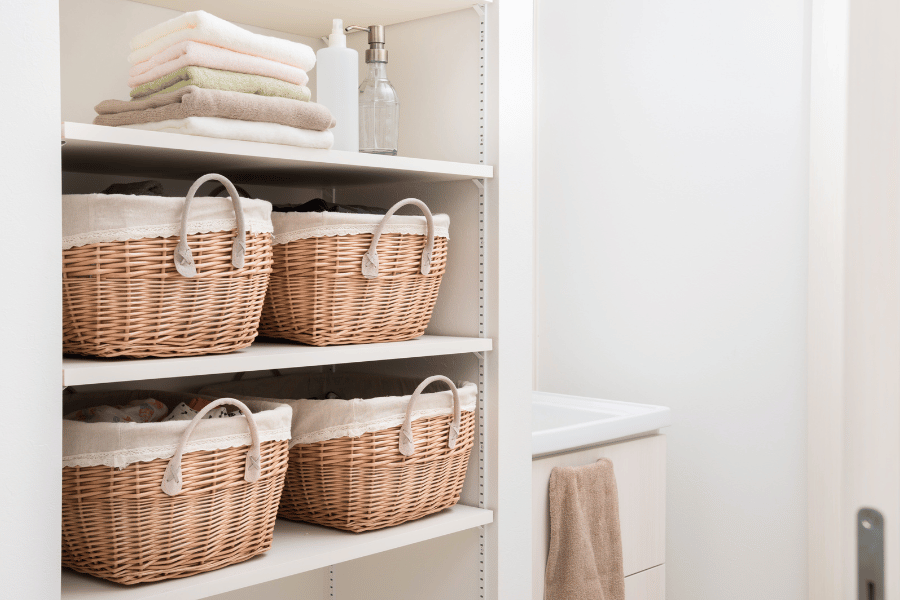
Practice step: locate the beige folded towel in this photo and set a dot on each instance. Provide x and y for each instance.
(585, 561)
(192, 101)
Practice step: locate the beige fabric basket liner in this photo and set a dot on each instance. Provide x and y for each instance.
(293, 226)
(121, 444)
(99, 218)
(374, 402)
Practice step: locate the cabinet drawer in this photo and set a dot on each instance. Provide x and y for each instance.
(640, 467)
(647, 585)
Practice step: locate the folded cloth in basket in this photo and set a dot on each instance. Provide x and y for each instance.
(320, 205)
(234, 129)
(183, 412)
(216, 79)
(382, 406)
(192, 101)
(137, 188)
(196, 54)
(146, 410)
(200, 26)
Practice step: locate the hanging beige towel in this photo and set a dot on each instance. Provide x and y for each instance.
(585, 561)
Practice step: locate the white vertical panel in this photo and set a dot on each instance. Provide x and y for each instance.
(872, 276)
(672, 233)
(510, 276)
(825, 330)
(30, 302)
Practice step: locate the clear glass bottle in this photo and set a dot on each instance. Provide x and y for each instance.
(379, 105)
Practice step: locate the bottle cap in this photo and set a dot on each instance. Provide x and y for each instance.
(337, 39)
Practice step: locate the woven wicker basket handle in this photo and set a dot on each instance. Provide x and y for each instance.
(184, 260)
(407, 444)
(370, 258)
(171, 483)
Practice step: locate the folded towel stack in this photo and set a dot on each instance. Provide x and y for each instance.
(200, 75)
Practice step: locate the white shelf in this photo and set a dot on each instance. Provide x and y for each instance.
(313, 19)
(296, 548)
(262, 355)
(120, 151)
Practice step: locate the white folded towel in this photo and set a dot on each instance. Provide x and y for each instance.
(200, 26)
(196, 54)
(233, 129)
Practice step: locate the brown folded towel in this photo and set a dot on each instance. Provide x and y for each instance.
(192, 101)
(585, 561)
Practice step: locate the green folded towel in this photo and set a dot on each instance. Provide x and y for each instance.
(214, 79)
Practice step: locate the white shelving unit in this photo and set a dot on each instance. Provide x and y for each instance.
(296, 548)
(259, 357)
(471, 108)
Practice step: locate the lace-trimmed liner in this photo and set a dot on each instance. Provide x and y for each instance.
(322, 420)
(98, 218)
(122, 459)
(121, 444)
(289, 227)
(333, 230)
(161, 231)
(358, 429)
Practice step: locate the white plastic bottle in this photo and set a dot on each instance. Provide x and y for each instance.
(337, 78)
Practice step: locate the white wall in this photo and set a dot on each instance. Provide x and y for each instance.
(30, 301)
(672, 228)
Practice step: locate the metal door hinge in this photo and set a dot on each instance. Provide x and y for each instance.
(870, 554)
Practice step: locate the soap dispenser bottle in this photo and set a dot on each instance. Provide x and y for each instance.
(379, 105)
(337, 71)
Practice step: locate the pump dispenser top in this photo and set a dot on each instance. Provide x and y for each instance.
(376, 52)
(337, 39)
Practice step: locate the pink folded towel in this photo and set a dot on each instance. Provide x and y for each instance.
(200, 26)
(196, 54)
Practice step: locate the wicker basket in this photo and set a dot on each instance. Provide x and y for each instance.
(376, 478)
(329, 288)
(151, 297)
(168, 518)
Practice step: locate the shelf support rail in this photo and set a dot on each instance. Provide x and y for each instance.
(482, 331)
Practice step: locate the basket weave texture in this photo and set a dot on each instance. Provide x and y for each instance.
(387, 453)
(117, 524)
(127, 299)
(167, 296)
(318, 295)
(365, 483)
(346, 286)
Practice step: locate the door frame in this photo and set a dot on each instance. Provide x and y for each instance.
(853, 352)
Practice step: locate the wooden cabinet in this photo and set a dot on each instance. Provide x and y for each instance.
(640, 467)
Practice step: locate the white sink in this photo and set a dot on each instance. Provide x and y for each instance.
(561, 423)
